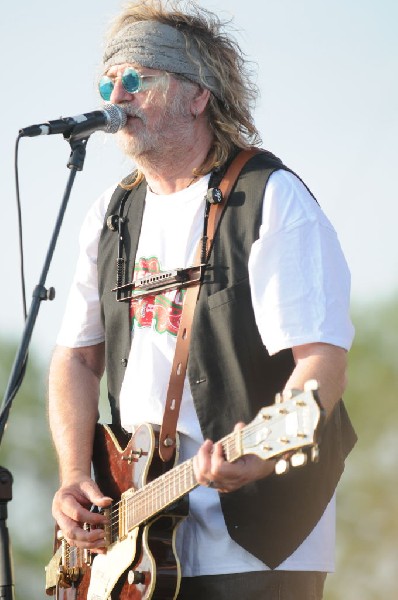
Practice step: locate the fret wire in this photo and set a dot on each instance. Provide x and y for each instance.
(138, 502)
(139, 499)
(151, 487)
(132, 508)
(157, 494)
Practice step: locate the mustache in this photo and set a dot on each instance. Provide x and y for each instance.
(131, 111)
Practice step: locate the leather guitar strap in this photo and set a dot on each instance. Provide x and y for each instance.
(167, 440)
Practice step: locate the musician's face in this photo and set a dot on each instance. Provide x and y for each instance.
(157, 115)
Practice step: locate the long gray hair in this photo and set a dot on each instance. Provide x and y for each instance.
(230, 108)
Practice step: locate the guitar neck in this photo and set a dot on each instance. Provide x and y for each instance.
(289, 425)
(138, 506)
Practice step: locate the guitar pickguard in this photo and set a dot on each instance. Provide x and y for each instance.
(107, 568)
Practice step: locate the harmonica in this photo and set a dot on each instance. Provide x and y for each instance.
(159, 282)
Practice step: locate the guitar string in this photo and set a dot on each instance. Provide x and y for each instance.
(179, 476)
(148, 496)
(72, 552)
(149, 500)
(139, 498)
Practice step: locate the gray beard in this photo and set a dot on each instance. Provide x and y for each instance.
(155, 142)
(170, 125)
(135, 146)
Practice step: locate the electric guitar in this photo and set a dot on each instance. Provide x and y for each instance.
(141, 562)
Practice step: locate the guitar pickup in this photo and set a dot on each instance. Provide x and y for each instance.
(159, 282)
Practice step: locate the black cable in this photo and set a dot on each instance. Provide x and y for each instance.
(5, 408)
(20, 235)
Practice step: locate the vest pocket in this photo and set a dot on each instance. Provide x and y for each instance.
(239, 291)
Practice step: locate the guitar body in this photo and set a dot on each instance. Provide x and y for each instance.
(161, 576)
(143, 565)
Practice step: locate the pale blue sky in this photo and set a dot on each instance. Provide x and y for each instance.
(327, 71)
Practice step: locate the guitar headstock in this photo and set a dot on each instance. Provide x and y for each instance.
(286, 428)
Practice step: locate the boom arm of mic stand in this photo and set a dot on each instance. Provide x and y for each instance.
(75, 163)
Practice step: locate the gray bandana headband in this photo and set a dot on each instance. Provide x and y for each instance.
(159, 46)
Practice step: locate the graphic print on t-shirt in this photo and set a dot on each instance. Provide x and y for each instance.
(160, 311)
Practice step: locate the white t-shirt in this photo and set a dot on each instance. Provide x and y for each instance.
(300, 288)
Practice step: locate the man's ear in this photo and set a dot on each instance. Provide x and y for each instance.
(199, 101)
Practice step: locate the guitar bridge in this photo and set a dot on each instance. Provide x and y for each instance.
(67, 566)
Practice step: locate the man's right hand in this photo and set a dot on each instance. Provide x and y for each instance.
(71, 509)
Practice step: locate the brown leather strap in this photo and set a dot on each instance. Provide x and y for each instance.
(226, 185)
(167, 439)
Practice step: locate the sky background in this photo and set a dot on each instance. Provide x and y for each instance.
(327, 72)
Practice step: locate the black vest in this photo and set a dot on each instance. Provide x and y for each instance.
(230, 372)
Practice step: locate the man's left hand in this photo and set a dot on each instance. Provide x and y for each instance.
(213, 470)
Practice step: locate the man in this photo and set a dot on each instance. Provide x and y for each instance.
(272, 313)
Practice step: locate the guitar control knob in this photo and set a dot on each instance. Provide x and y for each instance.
(135, 577)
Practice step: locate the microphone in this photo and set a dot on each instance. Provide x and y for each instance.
(110, 119)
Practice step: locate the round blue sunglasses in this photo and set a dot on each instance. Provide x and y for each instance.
(132, 82)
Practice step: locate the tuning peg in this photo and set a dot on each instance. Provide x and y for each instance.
(287, 395)
(282, 466)
(298, 459)
(315, 453)
(311, 385)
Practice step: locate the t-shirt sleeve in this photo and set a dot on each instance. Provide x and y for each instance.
(299, 278)
(82, 324)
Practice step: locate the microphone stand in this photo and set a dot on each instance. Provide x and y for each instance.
(75, 163)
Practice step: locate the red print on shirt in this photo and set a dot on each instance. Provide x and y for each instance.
(162, 311)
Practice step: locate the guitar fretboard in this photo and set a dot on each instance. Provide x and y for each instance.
(138, 506)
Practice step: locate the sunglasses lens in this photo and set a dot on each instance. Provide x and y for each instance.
(131, 81)
(105, 87)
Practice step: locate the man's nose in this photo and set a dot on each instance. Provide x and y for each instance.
(119, 94)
